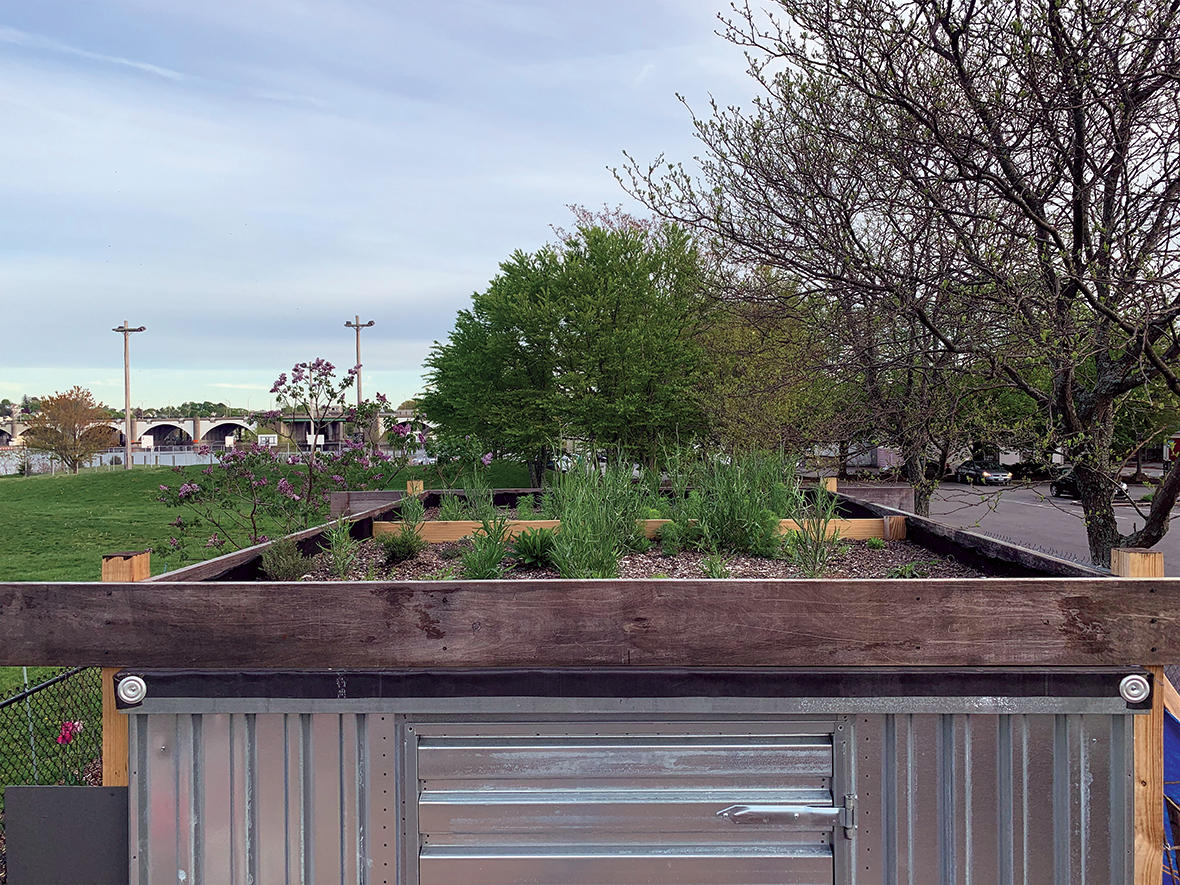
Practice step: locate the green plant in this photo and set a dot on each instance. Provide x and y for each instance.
(485, 560)
(716, 566)
(451, 507)
(446, 573)
(918, 569)
(814, 545)
(599, 512)
(875, 543)
(450, 551)
(660, 575)
(533, 548)
(526, 507)
(405, 543)
(283, 561)
(342, 546)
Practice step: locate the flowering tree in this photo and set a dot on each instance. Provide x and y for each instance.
(252, 493)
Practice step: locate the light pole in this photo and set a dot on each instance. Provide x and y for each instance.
(358, 325)
(127, 330)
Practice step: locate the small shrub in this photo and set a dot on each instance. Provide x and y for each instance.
(875, 543)
(485, 560)
(342, 547)
(533, 548)
(813, 546)
(401, 545)
(910, 570)
(671, 540)
(716, 566)
(451, 507)
(283, 561)
(526, 507)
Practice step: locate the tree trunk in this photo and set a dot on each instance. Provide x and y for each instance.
(913, 468)
(1092, 467)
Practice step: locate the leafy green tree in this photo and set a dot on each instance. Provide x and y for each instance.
(597, 338)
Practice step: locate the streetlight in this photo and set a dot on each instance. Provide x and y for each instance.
(358, 325)
(127, 330)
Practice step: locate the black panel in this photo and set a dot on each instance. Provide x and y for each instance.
(66, 834)
(635, 683)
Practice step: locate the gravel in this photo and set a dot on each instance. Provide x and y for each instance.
(443, 562)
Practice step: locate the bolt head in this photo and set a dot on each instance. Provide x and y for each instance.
(1135, 688)
(131, 689)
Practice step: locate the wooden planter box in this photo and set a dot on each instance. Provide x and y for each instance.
(950, 672)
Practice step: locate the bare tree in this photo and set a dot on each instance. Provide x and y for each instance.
(1029, 152)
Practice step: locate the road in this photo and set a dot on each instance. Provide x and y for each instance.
(1028, 516)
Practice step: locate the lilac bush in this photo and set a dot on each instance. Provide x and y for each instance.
(252, 493)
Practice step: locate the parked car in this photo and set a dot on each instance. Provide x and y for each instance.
(1066, 486)
(983, 473)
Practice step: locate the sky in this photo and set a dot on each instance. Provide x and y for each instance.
(242, 178)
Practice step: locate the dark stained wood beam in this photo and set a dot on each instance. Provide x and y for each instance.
(644, 623)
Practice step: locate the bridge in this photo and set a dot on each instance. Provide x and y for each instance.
(206, 431)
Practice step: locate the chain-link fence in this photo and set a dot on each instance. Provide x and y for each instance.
(51, 733)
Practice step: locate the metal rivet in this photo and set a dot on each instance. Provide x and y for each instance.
(131, 689)
(1134, 688)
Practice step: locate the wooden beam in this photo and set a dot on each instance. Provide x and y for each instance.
(1131, 562)
(118, 568)
(828, 483)
(1044, 622)
(414, 486)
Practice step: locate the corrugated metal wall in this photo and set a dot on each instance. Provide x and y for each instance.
(303, 797)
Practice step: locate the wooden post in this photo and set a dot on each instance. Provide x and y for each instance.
(828, 483)
(1130, 562)
(121, 568)
(414, 487)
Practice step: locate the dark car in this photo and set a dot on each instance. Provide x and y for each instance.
(1066, 486)
(982, 473)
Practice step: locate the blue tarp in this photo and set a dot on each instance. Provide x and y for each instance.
(1172, 791)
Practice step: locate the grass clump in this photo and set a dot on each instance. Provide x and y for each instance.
(526, 507)
(405, 543)
(451, 507)
(533, 548)
(284, 561)
(489, 546)
(598, 509)
(875, 543)
(814, 545)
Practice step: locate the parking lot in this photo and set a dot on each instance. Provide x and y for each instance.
(1027, 515)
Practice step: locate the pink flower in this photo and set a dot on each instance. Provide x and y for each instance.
(486, 459)
(382, 398)
(421, 437)
(69, 730)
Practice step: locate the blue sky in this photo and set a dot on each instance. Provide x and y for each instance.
(244, 177)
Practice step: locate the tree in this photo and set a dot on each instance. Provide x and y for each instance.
(1027, 149)
(597, 338)
(70, 426)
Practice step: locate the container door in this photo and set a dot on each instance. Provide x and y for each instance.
(607, 805)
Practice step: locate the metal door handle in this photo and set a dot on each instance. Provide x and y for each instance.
(779, 814)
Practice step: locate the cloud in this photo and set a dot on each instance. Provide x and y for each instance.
(34, 41)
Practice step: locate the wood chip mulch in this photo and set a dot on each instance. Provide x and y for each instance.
(444, 562)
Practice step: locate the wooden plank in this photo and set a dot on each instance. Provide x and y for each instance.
(414, 486)
(1046, 622)
(441, 531)
(1132, 562)
(1149, 787)
(116, 746)
(853, 529)
(828, 483)
(1171, 696)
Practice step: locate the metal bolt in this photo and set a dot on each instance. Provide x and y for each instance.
(1134, 688)
(131, 690)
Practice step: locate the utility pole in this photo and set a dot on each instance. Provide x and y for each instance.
(127, 330)
(358, 325)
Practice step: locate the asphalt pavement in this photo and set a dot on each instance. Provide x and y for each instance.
(1027, 515)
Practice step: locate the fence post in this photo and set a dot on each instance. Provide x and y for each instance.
(828, 483)
(1133, 562)
(123, 568)
(414, 486)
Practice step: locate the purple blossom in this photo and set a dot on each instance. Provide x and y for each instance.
(338, 479)
(382, 398)
(164, 488)
(486, 459)
(174, 543)
(280, 382)
(421, 437)
(401, 429)
(287, 490)
(204, 450)
(189, 488)
(178, 522)
(355, 369)
(214, 541)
